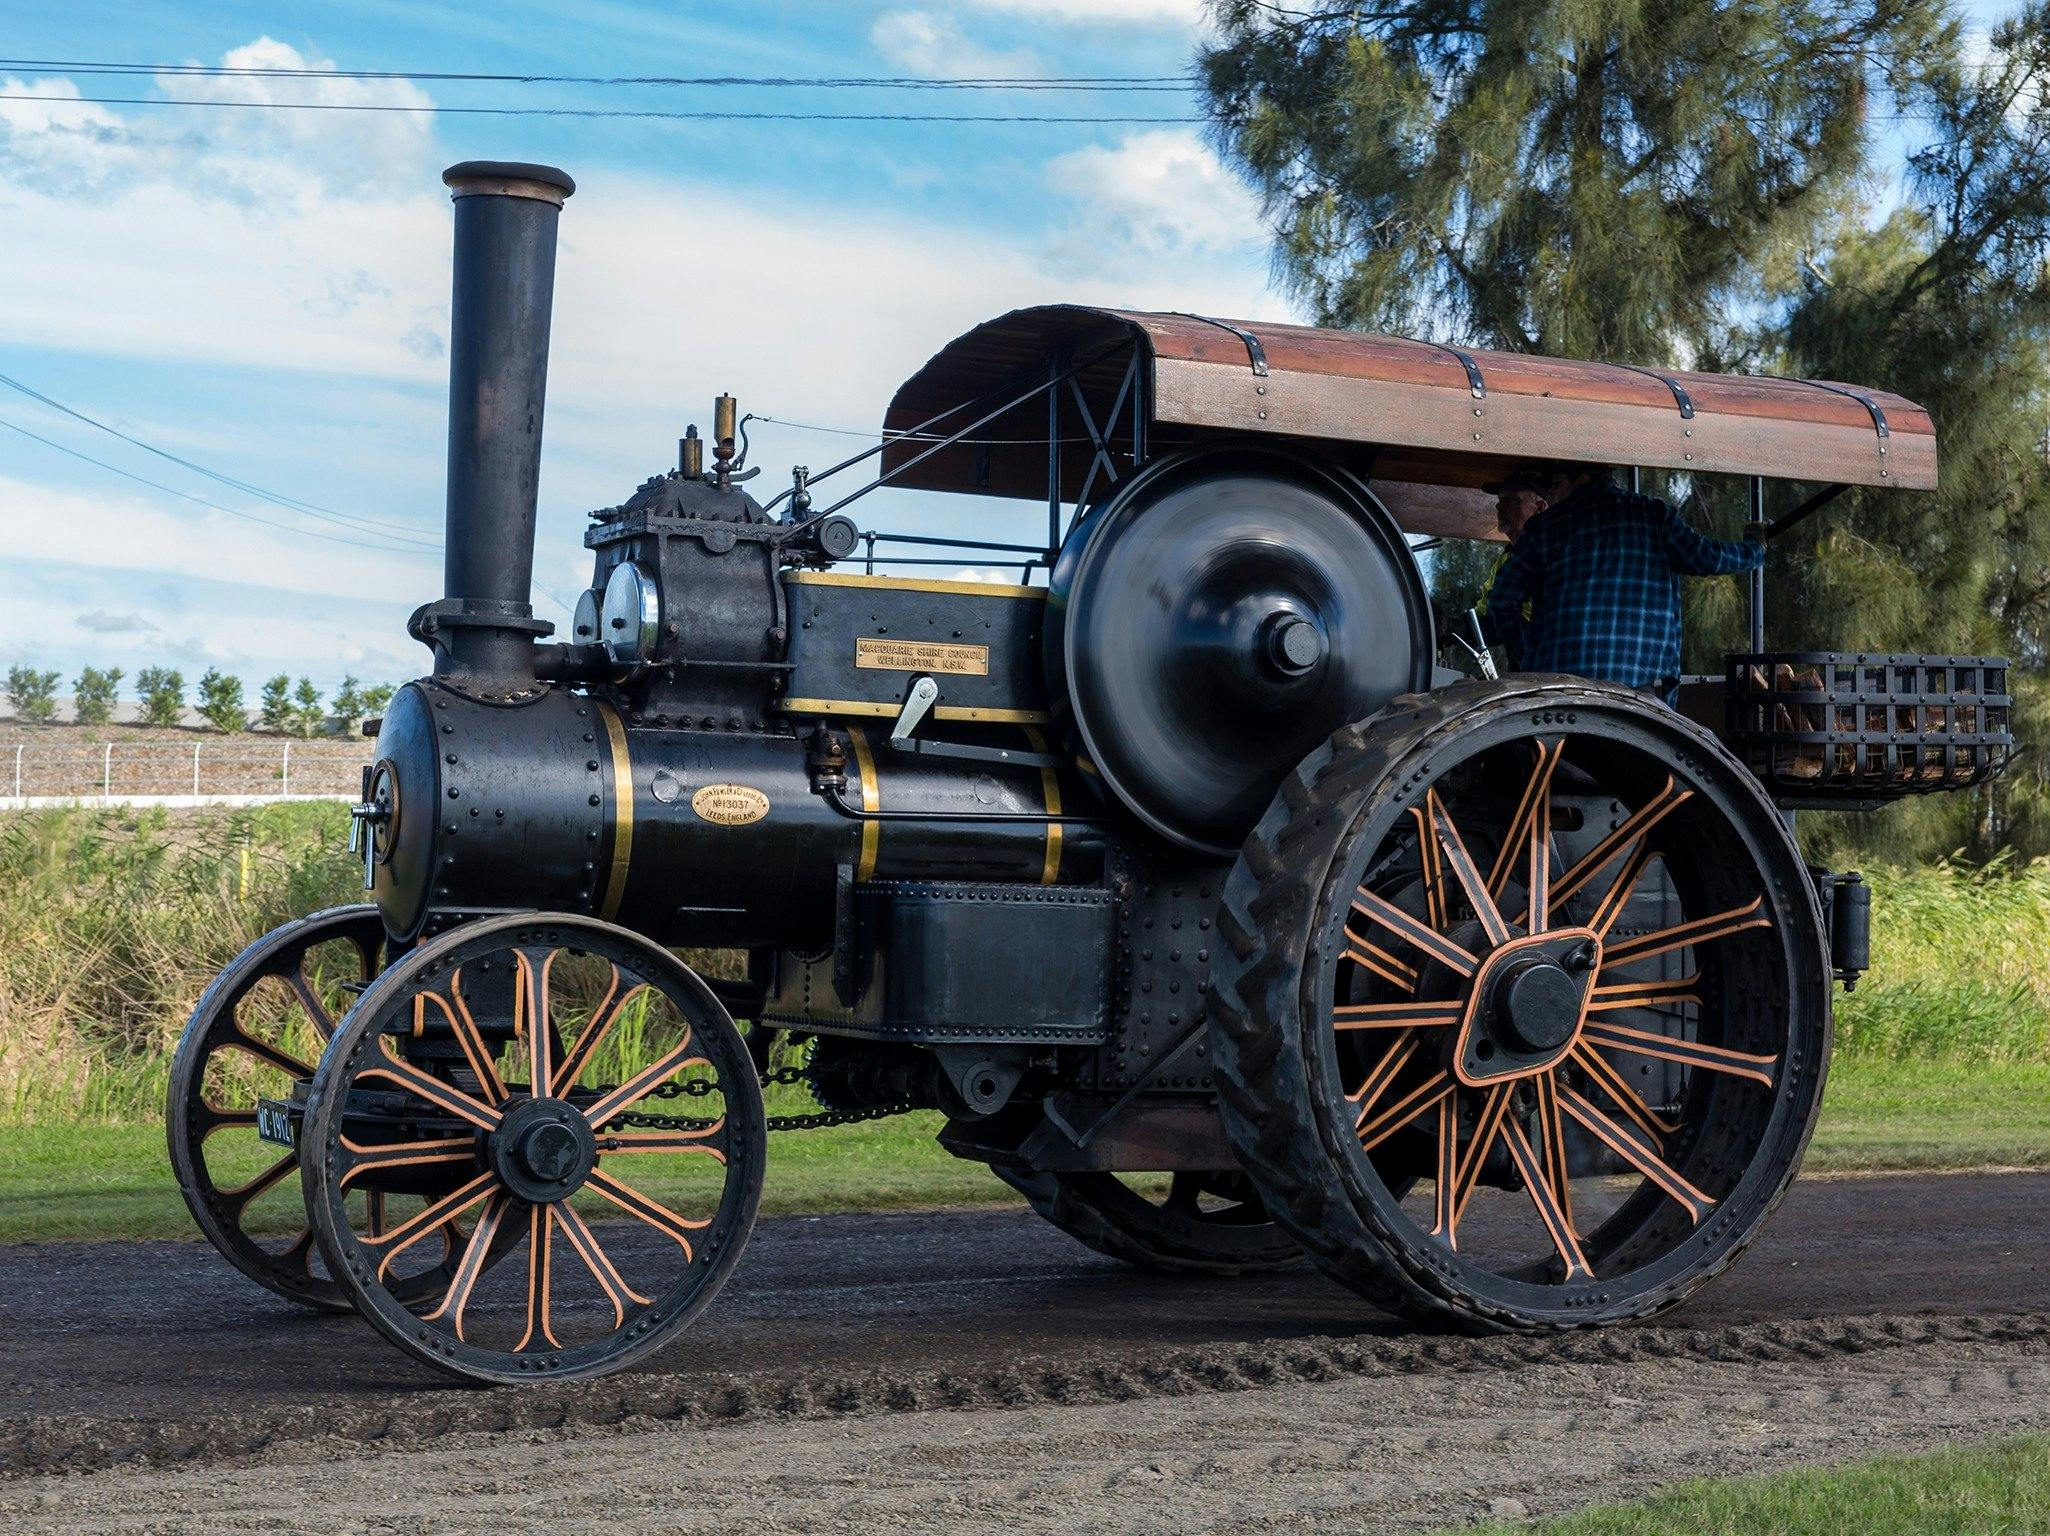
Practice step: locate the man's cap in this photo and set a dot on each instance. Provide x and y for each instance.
(1535, 475)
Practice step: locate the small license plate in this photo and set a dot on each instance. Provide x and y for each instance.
(274, 1122)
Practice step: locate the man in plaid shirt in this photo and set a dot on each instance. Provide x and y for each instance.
(1599, 569)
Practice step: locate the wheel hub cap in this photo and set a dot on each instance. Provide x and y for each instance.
(544, 1150)
(1527, 1003)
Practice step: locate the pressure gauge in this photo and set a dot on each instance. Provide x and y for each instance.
(630, 618)
(584, 626)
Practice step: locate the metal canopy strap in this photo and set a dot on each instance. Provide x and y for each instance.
(1474, 383)
(1255, 353)
(1878, 415)
(1680, 396)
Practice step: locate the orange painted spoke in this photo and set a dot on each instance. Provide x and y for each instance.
(1643, 994)
(263, 1050)
(1690, 1053)
(1489, 1125)
(1392, 1061)
(1426, 1096)
(1622, 888)
(540, 1023)
(1376, 959)
(698, 1140)
(1394, 1015)
(644, 1082)
(404, 1154)
(1544, 1195)
(1447, 1177)
(660, 1217)
(1431, 865)
(1404, 926)
(1532, 822)
(540, 1256)
(1465, 871)
(1700, 931)
(475, 1049)
(1551, 1130)
(611, 1008)
(441, 1095)
(470, 1267)
(584, 1242)
(407, 1233)
(1654, 811)
(323, 1021)
(1625, 1145)
(242, 1196)
(1627, 1099)
(225, 1119)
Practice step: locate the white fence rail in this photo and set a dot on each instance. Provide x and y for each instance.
(206, 772)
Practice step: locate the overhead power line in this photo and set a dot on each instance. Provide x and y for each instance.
(171, 490)
(370, 525)
(681, 117)
(801, 82)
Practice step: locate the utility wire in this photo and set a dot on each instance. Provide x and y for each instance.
(289, 503)
(802, 82)
(680, 117)
(306, 533)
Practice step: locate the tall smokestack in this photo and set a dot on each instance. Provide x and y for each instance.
(506, 214)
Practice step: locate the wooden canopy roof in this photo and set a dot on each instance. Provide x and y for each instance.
(1428, 424)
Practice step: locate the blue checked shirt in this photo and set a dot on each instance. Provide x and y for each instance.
(1600, 573)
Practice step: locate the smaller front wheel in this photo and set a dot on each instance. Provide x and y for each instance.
(581, 1098)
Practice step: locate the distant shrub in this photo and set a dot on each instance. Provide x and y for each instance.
(93, 693)
(276, 708)
(32, 695)
(162, 692)
(220, 701)
(307, 715)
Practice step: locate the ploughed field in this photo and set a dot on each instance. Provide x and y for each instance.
(975, 1370)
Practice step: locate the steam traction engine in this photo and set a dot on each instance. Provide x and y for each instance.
(1215, 916)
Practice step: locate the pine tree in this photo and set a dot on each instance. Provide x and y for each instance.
(348, 702)
(1549, 175)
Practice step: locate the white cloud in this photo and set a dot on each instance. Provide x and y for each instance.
(1160, 201)
(932, 44)
(246, 243)
(100, 621)
(216, 236)
(1153, 13)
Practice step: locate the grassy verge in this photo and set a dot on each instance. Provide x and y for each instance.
(1991, 1490)
(85, 1180)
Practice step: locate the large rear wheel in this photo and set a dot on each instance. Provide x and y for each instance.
(1523, 1014)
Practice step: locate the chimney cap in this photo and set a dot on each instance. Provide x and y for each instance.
(509, 178)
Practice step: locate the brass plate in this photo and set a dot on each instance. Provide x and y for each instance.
(921, 656)
(729, 805)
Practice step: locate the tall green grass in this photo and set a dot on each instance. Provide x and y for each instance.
(112, 922)
(1960, 967)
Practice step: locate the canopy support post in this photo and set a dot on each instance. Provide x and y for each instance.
(1757, 499)
(1053, 453)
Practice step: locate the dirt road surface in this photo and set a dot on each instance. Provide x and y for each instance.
(970, 1371)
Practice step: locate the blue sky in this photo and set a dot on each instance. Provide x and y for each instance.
(266, 292)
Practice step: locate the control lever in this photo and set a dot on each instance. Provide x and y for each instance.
(918, 703)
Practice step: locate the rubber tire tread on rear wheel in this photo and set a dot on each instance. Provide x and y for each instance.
(1282, 883)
